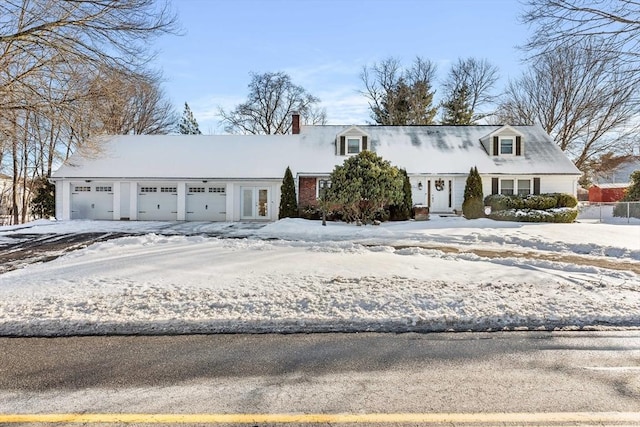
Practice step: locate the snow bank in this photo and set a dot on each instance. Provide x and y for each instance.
(297, 276)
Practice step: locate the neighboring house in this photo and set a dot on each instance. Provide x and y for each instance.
(238, 177)
(607, 192)
(611, 186)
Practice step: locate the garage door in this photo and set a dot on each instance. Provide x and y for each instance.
(92, 201)
(206, 203)
(157, 202)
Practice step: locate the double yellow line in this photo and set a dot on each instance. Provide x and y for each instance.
(597, 418)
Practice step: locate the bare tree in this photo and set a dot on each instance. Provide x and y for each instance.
(400, 96)
(581, 95)
(571, 22)
(478, 78)
(47, 48)
(272, 99)
(129, 102)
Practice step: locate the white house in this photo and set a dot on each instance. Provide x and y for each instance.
(238, 177)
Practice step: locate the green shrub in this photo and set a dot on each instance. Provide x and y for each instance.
(556, 215)
(473, 208)
(566, 200)
(539, 202)
(288, 199)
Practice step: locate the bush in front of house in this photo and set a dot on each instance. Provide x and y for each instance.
(558, 215)
(553, 207)
(364, 185)
(402, 211)
(288, 199)
(472, 206)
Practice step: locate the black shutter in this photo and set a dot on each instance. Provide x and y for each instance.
(536, 185)
(495, 145)
(494, 185)
(342, 145)
(364, 143)
(518, 146)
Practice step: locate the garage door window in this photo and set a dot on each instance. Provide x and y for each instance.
(168, 189)
(217, 190)
(148, 189)
(82, 189)
(106, 189)
(196, 189)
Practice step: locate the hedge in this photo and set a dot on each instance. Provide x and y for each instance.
(500, 202)
(560, 215)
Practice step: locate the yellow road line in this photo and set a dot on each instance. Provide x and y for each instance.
(370, 418)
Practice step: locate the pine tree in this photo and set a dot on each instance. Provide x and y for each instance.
(43, 204)
(288, 202)
(473, 205)
(457, 109)
(188, 124)
(402, 211)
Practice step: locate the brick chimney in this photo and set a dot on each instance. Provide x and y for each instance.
(295, 123)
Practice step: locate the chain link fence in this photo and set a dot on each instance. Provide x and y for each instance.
(609, 213)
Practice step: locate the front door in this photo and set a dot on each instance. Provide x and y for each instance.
(254, 203)
(441, 193)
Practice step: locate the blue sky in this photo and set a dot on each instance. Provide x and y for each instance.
(323, 45)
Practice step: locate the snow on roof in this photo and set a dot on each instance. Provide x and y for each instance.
(617, 185)
(455, 149)
(418, 149)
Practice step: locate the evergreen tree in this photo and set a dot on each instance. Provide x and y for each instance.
(457, 109)
(43, 204)
(288, 202)
(188, 124)
(364, 185)
(402, 211)
(473, 205)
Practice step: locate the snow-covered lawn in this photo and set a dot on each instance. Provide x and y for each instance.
(295, 275)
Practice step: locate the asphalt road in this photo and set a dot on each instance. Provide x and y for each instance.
(476, 373)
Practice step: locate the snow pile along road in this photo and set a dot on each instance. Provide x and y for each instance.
(297, 276)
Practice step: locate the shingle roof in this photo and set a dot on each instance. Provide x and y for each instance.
(419, 149)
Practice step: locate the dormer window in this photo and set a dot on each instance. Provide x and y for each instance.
(506, 146)
(351, 142)
(354, 145)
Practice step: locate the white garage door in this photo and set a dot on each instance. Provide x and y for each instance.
(92, 201)
(206, 203)
(157, 202)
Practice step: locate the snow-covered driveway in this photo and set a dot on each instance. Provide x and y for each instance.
(295, 275)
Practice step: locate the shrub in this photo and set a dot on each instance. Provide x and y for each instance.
(539, 202)
(566, 200)
(402, 211)
(363, 185)
(288, 202)
(556, 215)
(472, 206)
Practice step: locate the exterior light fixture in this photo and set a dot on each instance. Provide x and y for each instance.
(420, 185)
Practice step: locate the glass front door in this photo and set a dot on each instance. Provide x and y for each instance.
(255, 203)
